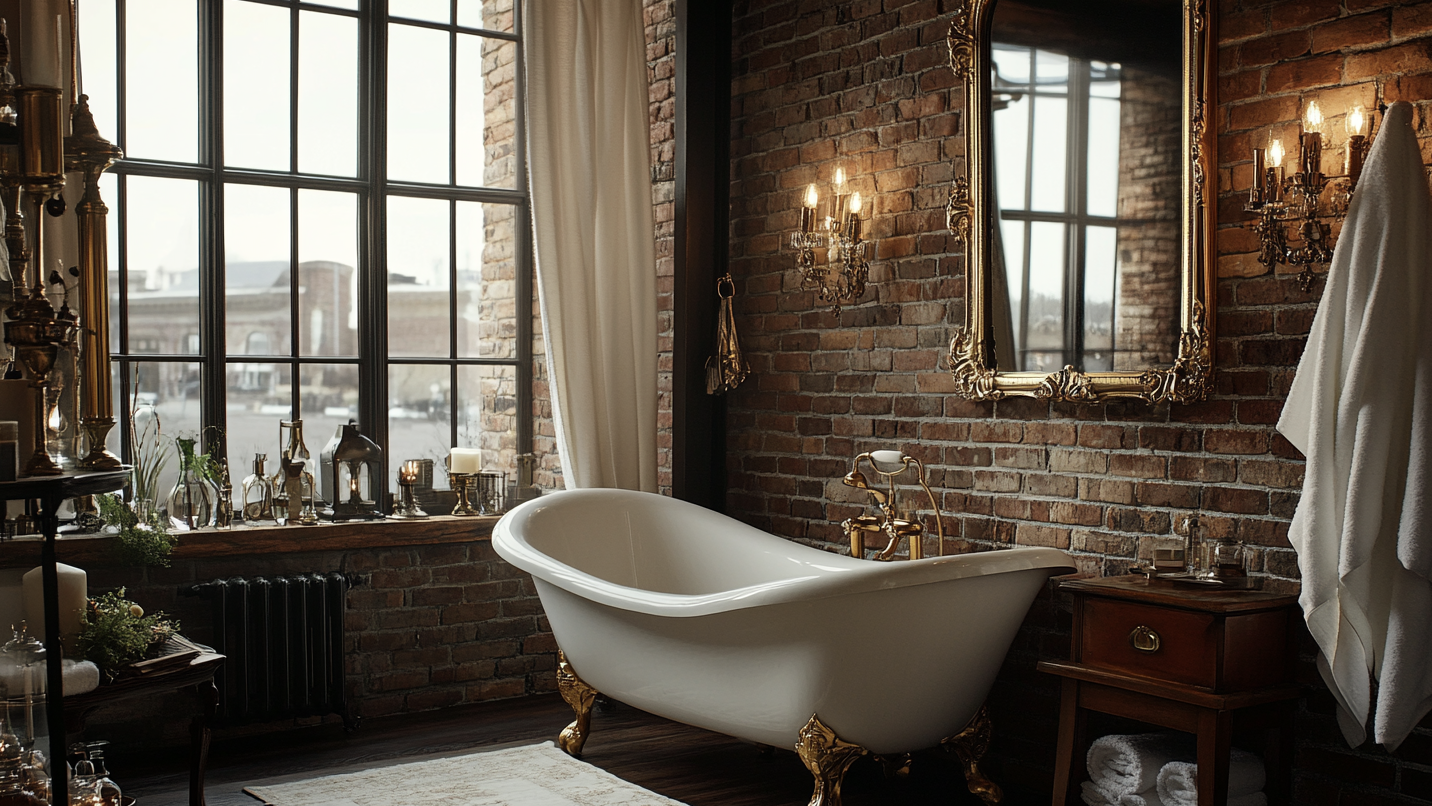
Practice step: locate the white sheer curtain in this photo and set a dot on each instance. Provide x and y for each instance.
(590, 166)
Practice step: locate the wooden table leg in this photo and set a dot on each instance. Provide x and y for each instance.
(1071, 740)
(1215, 739)
(199, 732)
(1278, 753)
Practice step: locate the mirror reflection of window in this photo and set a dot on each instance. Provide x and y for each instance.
(1056, 146)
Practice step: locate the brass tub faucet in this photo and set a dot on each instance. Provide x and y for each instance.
(890, 520)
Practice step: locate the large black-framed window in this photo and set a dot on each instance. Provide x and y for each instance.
(1057, 140)
(322, 214)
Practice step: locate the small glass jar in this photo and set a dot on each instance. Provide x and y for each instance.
(257, 493)
(1228, 559)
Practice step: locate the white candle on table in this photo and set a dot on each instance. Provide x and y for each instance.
(465, 460)
(74, 598)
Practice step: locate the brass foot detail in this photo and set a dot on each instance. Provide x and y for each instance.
(970, 745)
(580, 696)
(895, 766)
(827, 757)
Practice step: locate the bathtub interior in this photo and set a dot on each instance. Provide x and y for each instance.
(667, 546)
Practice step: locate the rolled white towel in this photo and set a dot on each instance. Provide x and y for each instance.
(1178, 781)
(80, 676)
(1127, 764)
(1094, 796)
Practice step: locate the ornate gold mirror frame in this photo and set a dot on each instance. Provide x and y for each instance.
(969, 214)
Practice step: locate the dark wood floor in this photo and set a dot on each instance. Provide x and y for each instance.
(690, 765)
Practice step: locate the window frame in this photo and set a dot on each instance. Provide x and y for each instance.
(372, 187)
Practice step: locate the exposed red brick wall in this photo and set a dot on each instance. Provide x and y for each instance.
(865, 85)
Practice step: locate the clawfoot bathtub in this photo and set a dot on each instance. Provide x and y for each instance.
(693, 616)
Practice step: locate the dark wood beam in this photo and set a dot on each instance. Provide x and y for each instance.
(703, 113)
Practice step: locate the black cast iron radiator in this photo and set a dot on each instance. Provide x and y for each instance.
(283, 639)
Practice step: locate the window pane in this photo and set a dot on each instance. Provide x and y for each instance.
(494, 15)
(162, 217)
(1051, 70)
(486, 281)
(487, 402)
(327, 94)
(1103, 169)
(330, 399)
(98, 59)
(1011, 140)
(351, 5)
(419, 402)
(1099, 273)
(257, 296)
(1045, 324)
(109, 192)
(417, 104)
(162, 81)
(1011, 63)
(419, 288)
(1011, 242)
(429, 10)
(327, 272)
(1051, 141)
(486, 112)
(171, 392)
(256, 99)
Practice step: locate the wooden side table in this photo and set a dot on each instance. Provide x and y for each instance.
(197, 676)
(1204, 661)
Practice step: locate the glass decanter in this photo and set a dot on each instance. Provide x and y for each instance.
(191, 502)
(23, 679)
(257, 493)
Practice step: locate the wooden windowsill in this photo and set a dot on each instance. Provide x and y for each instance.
(248, 540)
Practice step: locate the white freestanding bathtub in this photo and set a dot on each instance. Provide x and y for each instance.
(699, 618)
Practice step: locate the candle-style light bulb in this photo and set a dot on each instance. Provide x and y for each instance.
(808, 211)
(812, 198)
(1355, 121)
(855, 203)
(1314, 116)
(1275, 153)
(839, 180)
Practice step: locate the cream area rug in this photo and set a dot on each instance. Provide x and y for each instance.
(534, 775)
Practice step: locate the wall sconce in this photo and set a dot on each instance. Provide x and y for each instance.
(841, 280)
(1283, 202)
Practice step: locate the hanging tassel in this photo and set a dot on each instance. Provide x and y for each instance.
(726, 369)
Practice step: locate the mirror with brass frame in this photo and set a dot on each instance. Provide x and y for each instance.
(1086, 208)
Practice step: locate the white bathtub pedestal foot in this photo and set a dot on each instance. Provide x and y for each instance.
(580, 696)
(827, 757)
(970, 745)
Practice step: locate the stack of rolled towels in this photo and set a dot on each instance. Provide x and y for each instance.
(1157, 769)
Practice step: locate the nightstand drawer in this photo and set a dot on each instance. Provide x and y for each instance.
(1150, 641)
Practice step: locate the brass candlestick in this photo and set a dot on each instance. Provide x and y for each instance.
(461, 484)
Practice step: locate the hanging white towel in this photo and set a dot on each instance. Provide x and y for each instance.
(1359, 410)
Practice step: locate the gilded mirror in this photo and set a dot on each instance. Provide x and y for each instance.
(1085, 206)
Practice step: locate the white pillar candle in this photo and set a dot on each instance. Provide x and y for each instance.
(74, 598)
(40, 51)
(465, 460)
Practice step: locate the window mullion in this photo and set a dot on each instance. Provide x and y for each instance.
(211, 200)
(372, 232)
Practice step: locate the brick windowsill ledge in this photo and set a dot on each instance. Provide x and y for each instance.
(95, 550)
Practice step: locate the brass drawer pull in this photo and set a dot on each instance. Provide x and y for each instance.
(1144, 639)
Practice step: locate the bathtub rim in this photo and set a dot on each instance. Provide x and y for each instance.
(832, 574)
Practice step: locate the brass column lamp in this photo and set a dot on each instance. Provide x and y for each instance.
(91, 155)
(34, 329)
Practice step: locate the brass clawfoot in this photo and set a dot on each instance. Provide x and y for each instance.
(580, 696)
(970, 745)
(827, 757)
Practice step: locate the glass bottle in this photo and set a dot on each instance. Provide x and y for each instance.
(109, 792)
(23, 678)
(1228, 557)
(257, 493)
(191, 502)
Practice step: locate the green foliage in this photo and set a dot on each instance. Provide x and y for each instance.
(150, 452)
(136, 543)
(116, 632)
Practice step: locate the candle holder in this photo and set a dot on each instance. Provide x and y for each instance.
(842, 279)
(1297, 203)
(407, 505)
(461, 484)
(491, 486)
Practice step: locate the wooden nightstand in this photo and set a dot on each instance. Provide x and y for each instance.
(1207, 662)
